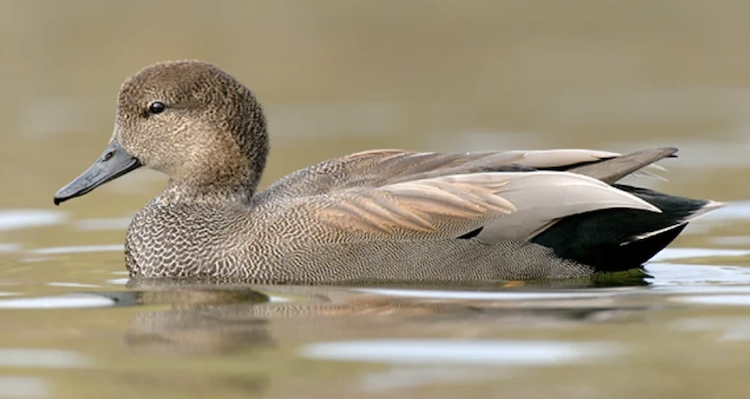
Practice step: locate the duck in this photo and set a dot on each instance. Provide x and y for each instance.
(373, 216)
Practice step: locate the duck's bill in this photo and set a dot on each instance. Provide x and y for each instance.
(113, 163)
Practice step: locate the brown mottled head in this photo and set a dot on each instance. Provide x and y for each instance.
(190, 120)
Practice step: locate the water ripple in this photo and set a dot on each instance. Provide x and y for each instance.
(18, 219)
(45, 358)
(78, 249)
(464, 352)
(70, 301)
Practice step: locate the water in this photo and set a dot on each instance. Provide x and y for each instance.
(340, 77)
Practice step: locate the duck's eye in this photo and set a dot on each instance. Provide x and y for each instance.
(156, 107)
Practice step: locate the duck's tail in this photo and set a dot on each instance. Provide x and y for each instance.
(622, 239)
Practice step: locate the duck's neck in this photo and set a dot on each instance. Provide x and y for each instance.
(221, 193)
(222, 186)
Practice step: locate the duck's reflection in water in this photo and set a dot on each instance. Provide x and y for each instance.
(199, 318)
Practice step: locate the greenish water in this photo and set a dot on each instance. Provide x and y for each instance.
(338, 77)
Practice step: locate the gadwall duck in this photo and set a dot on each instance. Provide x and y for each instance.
(382, 215)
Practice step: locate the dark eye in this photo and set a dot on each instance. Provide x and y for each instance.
(156, 107)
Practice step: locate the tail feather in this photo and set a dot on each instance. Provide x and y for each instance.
(613, 169)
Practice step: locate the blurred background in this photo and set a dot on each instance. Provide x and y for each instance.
(339, 76)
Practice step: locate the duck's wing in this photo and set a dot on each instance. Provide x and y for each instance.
(383, 167)
(509, 205)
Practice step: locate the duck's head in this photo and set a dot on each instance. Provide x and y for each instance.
(189, 120)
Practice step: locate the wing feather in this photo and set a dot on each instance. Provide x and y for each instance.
(509, 205)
